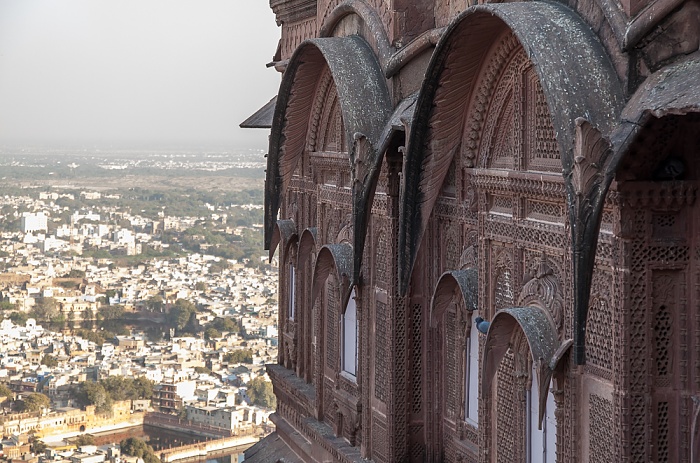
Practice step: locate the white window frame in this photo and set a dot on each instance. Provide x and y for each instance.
(350, 337)
(291, 293)
(471, 375)
(541, 443)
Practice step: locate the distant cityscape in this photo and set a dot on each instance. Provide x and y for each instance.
(104, 287)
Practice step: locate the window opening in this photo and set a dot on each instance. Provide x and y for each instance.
(471, 376)
(292, 292)
(349, 357)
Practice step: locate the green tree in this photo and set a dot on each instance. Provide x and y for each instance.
(155, 303)
(45, 309)
(180, 314)
(260, 393)
(144, 388)
(38, 446)
(75, 273)
(200, 286)
(112, 312)
(7, 306)
(138, 448)
(225, 324)
(126, 388)
(19, 318)
(5, 391)
(34, 402)
(95, 336)
(239, 356)
(84, 439)
(50, 361)
(211, 333)
(91, 393)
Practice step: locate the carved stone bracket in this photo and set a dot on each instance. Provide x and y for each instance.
(587, 182)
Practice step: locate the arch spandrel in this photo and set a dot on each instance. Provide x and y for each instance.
(336, 258)
(284, 233)
(461, 283)
(307, 244)
(545, 349)
(563, 51)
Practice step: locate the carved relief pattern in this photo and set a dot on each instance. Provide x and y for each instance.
(381, 265)
(325, 91)
(657, 330)
(451, 247)
(332, 315)
(501, 205)
(503, 288)
(381, 371)
(542, 150)
(600, 417)
(295, 33)
(400, 378)
(495, 113)
(380, 441)
(507, 443)
(416, 359)
(599, 334)
(334, 137)
(417, 452)
(661, 446)
(664, 298)
(447, 10)
(546, 211)
(502, 128)
(638, 344)
(329, 412)
(484, 94)
(450, 353)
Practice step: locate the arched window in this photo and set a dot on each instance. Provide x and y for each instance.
(471, 375)
(349, 352)
(291, 285)
(541, 442)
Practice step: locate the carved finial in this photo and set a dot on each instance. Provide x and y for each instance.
(591, 150)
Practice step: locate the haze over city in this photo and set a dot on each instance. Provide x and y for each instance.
(135, 73)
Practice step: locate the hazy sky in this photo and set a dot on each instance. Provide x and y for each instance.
(135, 71)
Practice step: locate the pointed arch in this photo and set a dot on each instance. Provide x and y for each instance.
(365, 107)
(375, 34)
(462, 283)
(284, 232)
(545, 349)
(562, 49)
(307, 244)
(336, 258)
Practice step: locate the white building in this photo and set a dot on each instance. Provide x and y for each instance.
(31, 222)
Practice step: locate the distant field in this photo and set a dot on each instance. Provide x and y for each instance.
(159, 169)
(152, 182)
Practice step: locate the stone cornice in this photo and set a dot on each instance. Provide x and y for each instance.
(288, 11)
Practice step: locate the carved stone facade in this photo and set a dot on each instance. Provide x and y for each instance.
(487, 223)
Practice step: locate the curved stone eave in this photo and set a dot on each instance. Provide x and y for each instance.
(336, 258)
(369, 17)
(563, 51)
(364, 98)
(461, 283)
(283, 232)
(674, 89)
(541, 335)
(307, 244)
